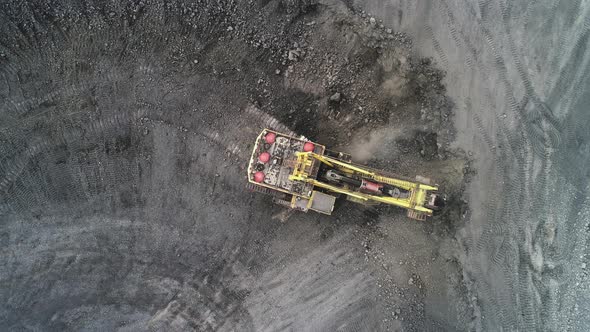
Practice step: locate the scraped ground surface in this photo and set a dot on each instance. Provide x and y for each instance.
(518, 74)
(125, 130)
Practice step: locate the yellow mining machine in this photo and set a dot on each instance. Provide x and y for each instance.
(305, 176)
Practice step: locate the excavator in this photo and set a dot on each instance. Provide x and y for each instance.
(304, 175)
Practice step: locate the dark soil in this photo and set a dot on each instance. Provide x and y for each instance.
(125, 130)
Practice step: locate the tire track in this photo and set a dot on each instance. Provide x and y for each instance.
(484, 135)
(437, 48)
(7, 51)
(516, 57)
(543, 131)
(508, 296)
(502, 72)
(455, 34)
(578, 69)
(22, 109)
(544, 112)
(488, 296)
(514, 143)
(13, 168)
(17, 34)
(568, 43)
(236, 145)
(540, 126)
(526, 16)
(482, 6)
(529, 313)
(502, 258)
(39, 31)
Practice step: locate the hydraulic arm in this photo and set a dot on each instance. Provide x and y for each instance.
(360, 183)
(305, 176)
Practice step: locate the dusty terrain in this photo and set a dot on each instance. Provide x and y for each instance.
(517, 72)
(125, 131)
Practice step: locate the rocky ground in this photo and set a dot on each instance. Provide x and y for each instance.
(125, 133)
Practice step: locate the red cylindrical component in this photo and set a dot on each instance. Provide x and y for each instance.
(264, 157)
(308, 147)
(270, 137)
(258, 177)
(371, 187)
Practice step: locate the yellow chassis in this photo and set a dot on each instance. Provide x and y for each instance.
(418, 191)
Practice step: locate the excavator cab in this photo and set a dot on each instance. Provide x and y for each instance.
(435, 202)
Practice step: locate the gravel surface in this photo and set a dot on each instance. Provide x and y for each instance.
(125, 130)
(517, 72)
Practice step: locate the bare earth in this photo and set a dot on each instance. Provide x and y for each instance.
(125, 130)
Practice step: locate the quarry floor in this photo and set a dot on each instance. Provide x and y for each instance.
(125, 130)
